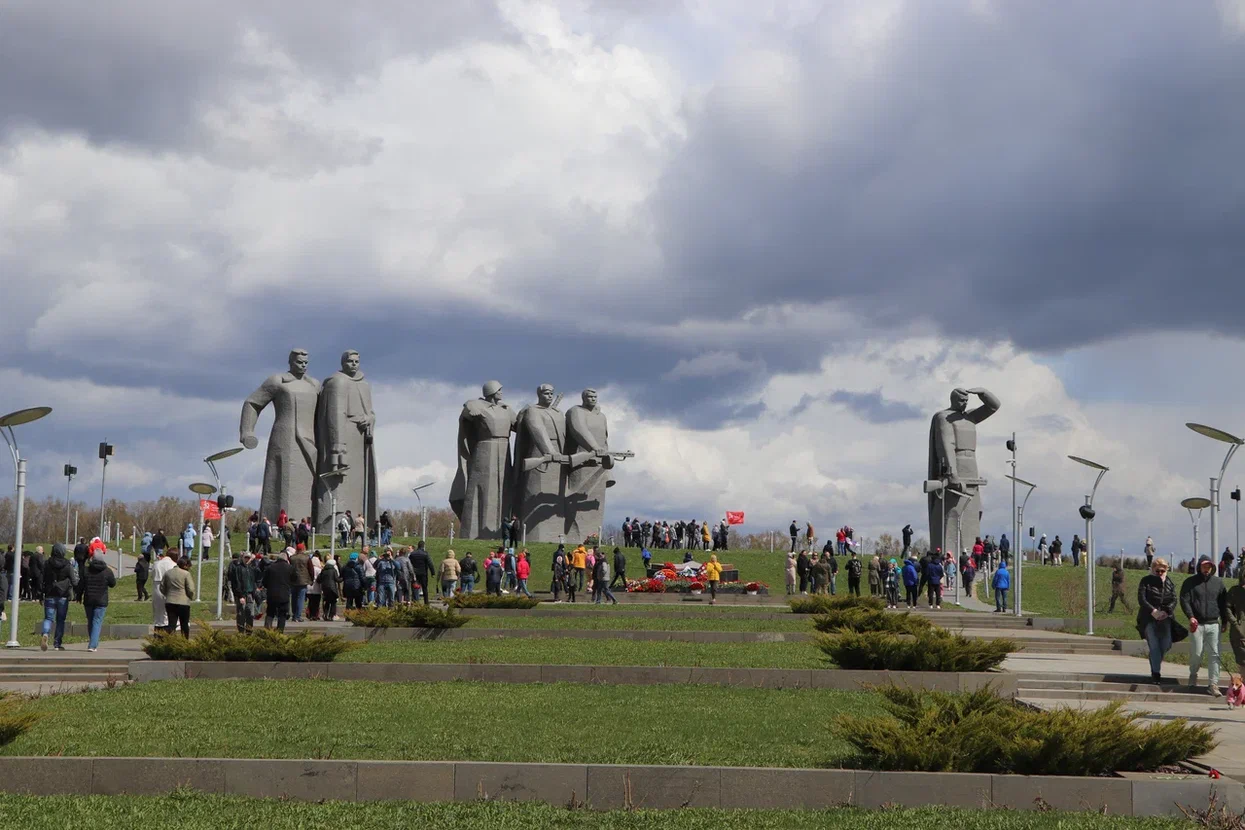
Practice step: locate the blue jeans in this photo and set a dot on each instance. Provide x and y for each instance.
(1000, 599)
(522, 589)
(833, 579)
(386, 592)
(55, 608)
(95, 622)
(298, 596)
(1159, 638)
(469, 584)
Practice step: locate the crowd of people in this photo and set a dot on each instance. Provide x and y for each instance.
(676, 535)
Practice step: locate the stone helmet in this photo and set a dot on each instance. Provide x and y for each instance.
(491, 388)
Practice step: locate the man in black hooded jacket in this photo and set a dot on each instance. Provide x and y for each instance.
(57, 587)
(1205, 601)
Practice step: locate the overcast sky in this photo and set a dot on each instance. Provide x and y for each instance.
(774, 235)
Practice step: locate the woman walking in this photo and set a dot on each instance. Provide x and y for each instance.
(449, 575)
(713, 574)
(1156, 622)
(178, 588)
(330, 584)
(99, 578)
(791, 573)
(523, 569)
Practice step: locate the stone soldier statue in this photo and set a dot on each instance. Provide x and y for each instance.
(540, 468)
(591, 462)
(480, 495)
(290, 466)
(344, 427)
(953, 467)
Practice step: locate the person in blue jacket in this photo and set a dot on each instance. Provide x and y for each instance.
(910, 581)
(1001, 582)
(933, 582)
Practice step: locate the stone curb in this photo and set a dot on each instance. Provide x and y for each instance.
(603, 786)
(143, 671)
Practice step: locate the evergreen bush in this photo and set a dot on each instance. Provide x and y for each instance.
(414, 615)
(492, 601)
(982, 732)
(862, 619)
(822, 604)
(929, 650)
(263, 645)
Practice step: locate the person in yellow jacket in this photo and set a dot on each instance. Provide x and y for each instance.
(579, 561)
(704, 535)
(713, 573)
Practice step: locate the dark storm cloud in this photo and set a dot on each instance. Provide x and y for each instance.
(142, 71)
(868, 406)
(1054, 173)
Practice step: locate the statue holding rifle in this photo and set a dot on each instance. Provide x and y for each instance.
(591, 467)
(953, 483)
(541, 468)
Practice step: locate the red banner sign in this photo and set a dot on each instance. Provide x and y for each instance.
(734, 517)
(211, 513)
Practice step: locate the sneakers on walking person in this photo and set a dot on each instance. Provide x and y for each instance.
(1213, 690)
(43, 643)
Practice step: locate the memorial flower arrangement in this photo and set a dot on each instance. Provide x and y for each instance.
(646, 586)
(668, 573)
(696, 586)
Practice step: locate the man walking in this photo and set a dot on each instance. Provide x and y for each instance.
(853, 575)
(1117, 586)
(907, 539)
(301, 576)
(875, 576)
(386, 579)
(242, 583)
(278, 577)
(794, 530)
(620, 568)
(1205, 602)
(424, 567)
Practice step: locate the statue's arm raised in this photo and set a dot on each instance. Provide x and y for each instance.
(251, 408)
(990, 404)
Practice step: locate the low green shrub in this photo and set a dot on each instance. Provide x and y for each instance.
(868, 619)
(983, 732)
(492, 601)
(822, 604)
(14, 718)
(263, 645)
(415, 615)
(930, 650)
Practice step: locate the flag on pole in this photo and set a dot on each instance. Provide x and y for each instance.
(211, 512)
(734, 517)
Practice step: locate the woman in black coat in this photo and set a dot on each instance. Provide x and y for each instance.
(1156, 609)
(352, 582)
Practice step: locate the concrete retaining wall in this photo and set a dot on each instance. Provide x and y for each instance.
(149, 670)
(355, 633)
(603, 787)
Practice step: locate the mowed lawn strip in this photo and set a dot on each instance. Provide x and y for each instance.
(697, 622)
(552, 723)
(567, 651)
(206, 812)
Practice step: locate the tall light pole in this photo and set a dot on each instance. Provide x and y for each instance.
(15, 419)
(1235, 495)
(333, 478)
(1234, 445)
(423, 517)
(224, 503)
(202, 489)
(70, 472)
(105, 452)
(1087, 513)
(1198, 503)
(1020, 548)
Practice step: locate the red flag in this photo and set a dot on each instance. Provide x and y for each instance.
(211, 512)
(734, 517)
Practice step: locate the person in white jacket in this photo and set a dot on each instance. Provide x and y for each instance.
(166, 563)
(205, 539)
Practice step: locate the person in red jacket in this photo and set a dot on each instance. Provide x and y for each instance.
(523, 569)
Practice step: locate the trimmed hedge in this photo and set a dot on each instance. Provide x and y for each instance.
(822, 604)
(415, 615)
(931, 650)
(982, 732)
(263, 645)
(492, 601)
(869, 619)
(14, 719)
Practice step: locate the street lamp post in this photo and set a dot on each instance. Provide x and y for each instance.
(223, 502)
(1017, 595)
(203, 490)
(13, 419)
(1087, 513)
(1235, 444)
(423, 516)
(1235, 495)
(1198, 503)
(105, 452)
(332, 485)
(70, 472)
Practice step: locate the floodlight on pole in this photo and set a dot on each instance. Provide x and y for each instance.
(332, 485)
(16, 419)
(224, 503)
(1087, 513)
(423, 517)
(1198, 504)
(1018, 594)
(70, 472)
(201, 489)
(1234, 445)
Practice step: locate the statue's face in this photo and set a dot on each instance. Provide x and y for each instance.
(350, 364)
(495, 397)
(590, 398)
(959, 401)
(545, 395)
(298, 364)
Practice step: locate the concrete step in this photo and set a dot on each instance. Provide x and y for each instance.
(1100, 686)
(58, 677)
(1057, 648)
(68, 668)
(1154, 696)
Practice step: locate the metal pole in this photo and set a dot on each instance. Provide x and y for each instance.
(103, 477)
(134, 540)
(199, 557)
(17, 545)
(1195, 528)
(220, 566)
(1089, 577)
(68, 481)
(1015, 534)
(75, 524)
(1020, 551)
(333, 532)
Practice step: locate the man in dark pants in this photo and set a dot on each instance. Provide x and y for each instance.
(1117, 586)
(81, 555)
(907, 538)
(278, 579)
(794, 530)
(424, 567)
(620, 568)
(853, 574)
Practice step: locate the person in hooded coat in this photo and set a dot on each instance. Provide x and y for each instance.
(59, 579)
(95, 582)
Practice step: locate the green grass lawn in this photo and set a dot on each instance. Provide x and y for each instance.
(1061, 592)
(558, 722)
(209, 812)
(697, 622)
(577, 652)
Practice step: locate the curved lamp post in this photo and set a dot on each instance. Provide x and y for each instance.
(220, 488)
(1198, 503)
(1019, 542)
(332, 478)
(423, 517)
(16, 419)
(1087, 513)
(203, 490)
(1235, 444)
